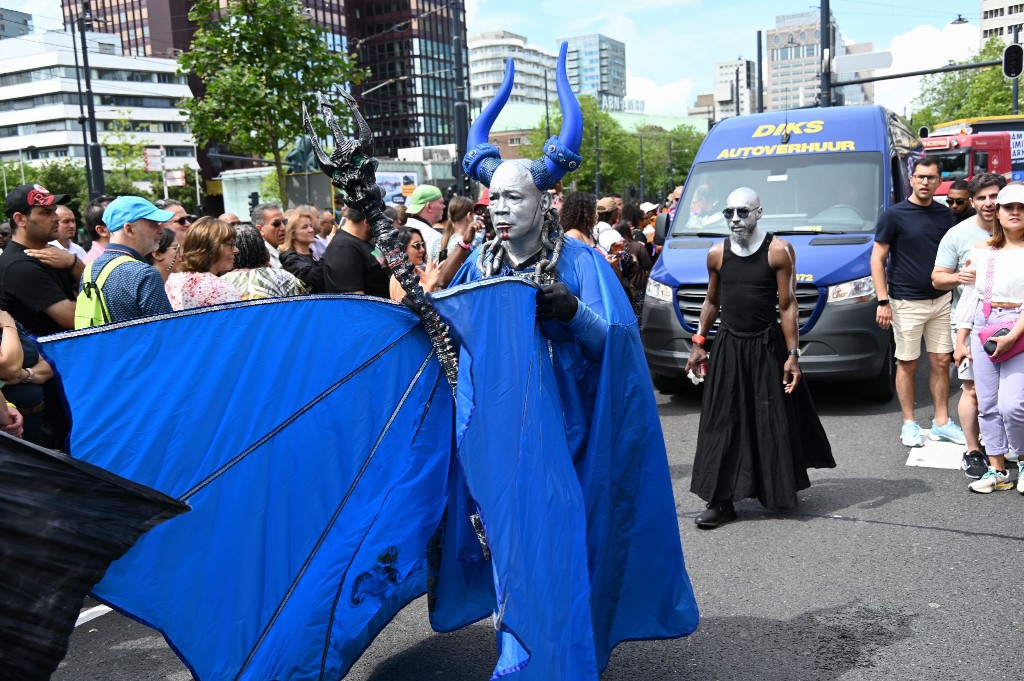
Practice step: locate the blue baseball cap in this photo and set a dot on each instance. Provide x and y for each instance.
(126, 209)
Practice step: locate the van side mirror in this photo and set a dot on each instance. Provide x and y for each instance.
(661, 228)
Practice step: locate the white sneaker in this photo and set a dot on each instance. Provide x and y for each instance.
(993, 481)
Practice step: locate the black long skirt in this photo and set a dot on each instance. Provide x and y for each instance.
(754, 439)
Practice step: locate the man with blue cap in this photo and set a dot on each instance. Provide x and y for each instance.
(119, 285)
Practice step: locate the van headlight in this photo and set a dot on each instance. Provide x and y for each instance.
(849, 292)
(659, 291)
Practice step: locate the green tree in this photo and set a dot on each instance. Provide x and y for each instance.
(620, 153)
(126, 150)
(258, 59)
(965, 94)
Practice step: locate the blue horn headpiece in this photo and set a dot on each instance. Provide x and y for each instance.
(561, 152)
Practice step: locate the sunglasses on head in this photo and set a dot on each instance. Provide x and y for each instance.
(741, 213)
(956, 202)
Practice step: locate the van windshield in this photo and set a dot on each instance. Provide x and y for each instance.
(830, 192)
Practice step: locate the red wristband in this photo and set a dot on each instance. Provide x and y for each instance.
(698, 339)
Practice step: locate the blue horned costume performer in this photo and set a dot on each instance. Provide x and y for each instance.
(325, 500)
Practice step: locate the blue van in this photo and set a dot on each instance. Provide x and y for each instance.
(824, 176)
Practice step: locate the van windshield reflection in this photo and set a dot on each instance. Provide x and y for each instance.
(829, 193)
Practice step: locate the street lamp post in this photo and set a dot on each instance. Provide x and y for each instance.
(98, 182)
(460, 107)
(81, 112)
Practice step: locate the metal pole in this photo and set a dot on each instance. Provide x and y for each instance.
(3, 168)
(460, 108)
(1016, 81)
(760, 77)
(195, 152)
(21, 162)
(925, 72)
(163, 172)
(737, 91)
(597, 159)
(643, 186)
(826, 55)
(81, 108)
(547, 117)
(98, 182)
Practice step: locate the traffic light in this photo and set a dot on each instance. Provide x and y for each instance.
(254, 199)
(1013, 60)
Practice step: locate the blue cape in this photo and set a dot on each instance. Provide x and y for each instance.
(594, 368)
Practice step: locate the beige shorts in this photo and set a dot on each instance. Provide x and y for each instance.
(913, 320)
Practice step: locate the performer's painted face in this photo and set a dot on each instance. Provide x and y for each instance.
(742, 211)
(517, 205)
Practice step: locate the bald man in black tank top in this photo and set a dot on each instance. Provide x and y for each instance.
(759, 431)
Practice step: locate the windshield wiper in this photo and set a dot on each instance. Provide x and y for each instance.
(813, 232)
(702, 234)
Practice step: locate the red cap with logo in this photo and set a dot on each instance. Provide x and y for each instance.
(25, 197)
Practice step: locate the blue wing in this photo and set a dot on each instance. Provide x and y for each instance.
(312, 439)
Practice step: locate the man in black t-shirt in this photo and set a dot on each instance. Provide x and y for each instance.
(908, 236)
(38, 283)
(351, 264)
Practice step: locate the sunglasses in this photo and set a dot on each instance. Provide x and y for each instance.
(278, 222)
(185, 219)
(741, 213)
(956, 202)
(419, 246)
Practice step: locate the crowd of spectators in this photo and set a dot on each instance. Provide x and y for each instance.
(145, 259)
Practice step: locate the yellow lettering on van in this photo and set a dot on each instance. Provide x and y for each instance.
(763, 130)
(848, 145)
(808, 278)
(814, 126)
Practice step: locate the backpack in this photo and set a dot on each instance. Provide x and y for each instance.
(90, 308)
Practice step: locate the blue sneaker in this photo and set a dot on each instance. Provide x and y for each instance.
(911, 434)
(949, 432)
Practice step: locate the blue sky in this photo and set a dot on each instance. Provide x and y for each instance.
(672, 45)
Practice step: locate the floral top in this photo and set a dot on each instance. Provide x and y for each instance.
(198, 289)
(264, 282)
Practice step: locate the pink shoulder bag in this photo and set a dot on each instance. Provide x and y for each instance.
(989, 330)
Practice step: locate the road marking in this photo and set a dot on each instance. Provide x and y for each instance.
(91, 614)
(936, 454)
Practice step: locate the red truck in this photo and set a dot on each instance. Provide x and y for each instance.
(968, 147)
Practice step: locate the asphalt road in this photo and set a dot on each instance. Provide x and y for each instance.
(884, 571)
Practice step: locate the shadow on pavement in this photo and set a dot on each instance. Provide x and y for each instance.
(821, 645)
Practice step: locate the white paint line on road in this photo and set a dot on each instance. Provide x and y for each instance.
(936, 454)
(91, 614)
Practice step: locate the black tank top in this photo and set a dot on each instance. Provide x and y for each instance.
(748, 289)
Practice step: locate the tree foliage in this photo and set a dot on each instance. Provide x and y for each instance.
(965, 94)
(125, 149)
(258, 59)
(668, 154)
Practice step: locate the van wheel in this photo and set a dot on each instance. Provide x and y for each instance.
(668, 385)
(882, 388)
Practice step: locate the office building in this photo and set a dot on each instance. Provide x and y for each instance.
(999, 17)
(407, 46)
(535, 69)
(39, 99)
(14, 24)
(793, 67)
(735, 88)
(596, 66)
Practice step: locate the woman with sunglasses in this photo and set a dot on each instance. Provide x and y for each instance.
(411, 241)
(297, 249)
(208, 252)
(165, 258)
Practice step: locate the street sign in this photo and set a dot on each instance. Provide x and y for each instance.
(861, 63)
(174, 178)
(154, 159)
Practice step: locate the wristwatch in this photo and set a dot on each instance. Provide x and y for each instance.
(883, 302)
(698, 339)
(794, 353)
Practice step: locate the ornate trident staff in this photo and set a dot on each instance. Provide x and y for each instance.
(352, 169)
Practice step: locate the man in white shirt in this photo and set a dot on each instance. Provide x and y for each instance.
(268, 220)
(952, 272)
(67, 228)
(426, 206)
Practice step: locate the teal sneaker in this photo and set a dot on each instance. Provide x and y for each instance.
(910, 435)
(949, 432)
(992, 481)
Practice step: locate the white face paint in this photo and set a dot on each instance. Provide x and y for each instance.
(517, 210)
(742, 211)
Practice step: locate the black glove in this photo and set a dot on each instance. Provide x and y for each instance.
(555, 301)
